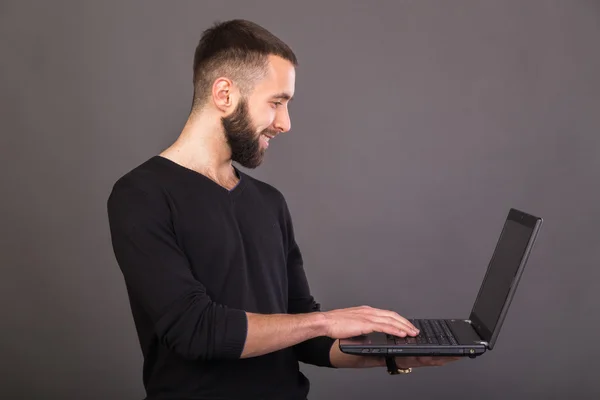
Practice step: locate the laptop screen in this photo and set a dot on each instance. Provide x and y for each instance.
(502, 271)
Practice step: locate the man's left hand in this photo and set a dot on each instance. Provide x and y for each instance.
(416, 362)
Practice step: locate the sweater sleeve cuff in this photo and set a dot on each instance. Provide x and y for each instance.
(236, 330)
(316, 351)
(324, 351)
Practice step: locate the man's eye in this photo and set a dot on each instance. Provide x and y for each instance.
(277, 103)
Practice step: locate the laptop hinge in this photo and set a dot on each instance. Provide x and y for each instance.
(482, 342)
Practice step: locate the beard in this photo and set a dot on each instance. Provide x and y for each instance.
(242, 137)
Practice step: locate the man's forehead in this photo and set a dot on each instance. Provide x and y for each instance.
(280, 78)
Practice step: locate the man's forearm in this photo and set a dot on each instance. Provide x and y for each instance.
(343, 360)
(269, 333)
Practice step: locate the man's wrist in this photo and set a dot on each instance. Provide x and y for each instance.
(393, 368)
(376, 361)
(373, 361)
(319, 322)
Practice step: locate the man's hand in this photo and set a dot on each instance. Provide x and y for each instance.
(416, 362)
(356, 321)
(269, 333)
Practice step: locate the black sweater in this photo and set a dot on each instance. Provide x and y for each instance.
(195, 256)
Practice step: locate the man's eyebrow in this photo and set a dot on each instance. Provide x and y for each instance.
(283, 96)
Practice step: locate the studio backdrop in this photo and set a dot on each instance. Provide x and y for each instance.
(416, 126)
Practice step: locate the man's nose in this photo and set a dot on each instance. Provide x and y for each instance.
(282, 122)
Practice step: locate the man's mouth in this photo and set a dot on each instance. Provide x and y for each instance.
(265, 137)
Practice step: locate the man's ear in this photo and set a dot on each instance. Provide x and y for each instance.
(224, 94)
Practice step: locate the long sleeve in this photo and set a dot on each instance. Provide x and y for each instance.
(159, 279)
(314, 351)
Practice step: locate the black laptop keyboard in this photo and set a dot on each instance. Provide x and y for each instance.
(431, 331)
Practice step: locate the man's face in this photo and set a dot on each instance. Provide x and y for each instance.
(262, 115)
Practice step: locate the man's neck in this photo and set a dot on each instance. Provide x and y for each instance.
(204, 149)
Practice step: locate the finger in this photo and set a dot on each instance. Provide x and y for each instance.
(415, 362)
(448, 358)
(452, 359)
(430, 361)
(398, 328)
(407, 362)
(387, 313)
(401, 323)
(400, 319)
(440, 361)
(389, 329)
(405, 326)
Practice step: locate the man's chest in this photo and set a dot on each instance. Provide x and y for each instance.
(234, 247)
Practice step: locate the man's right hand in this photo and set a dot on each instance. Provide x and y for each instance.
(356, 321)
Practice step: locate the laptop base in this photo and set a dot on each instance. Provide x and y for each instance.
(467, 343)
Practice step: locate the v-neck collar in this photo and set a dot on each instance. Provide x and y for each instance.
(235, 191)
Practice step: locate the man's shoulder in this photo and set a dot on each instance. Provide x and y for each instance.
(266, 189)
(142, 178)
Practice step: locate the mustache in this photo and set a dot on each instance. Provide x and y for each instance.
(271, 132)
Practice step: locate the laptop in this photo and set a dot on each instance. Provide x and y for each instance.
(470, 337)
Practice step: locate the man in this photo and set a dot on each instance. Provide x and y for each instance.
(214, 275)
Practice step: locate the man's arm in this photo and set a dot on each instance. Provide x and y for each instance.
(159, 279)
(314, 351)
(269, 333)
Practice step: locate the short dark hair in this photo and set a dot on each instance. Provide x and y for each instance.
(238, 49)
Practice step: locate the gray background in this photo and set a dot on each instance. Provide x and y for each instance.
(417, 125)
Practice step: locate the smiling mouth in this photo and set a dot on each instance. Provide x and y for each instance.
(264, 138)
